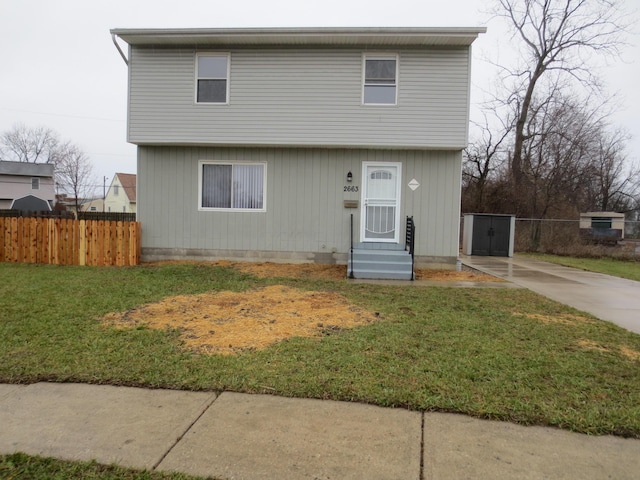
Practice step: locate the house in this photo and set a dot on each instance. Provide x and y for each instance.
(91, 205)
(26, 186)
(607, 227)
(121, 196)
(310, 144)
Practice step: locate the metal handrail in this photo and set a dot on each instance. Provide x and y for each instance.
(410, 241)
(351, 250)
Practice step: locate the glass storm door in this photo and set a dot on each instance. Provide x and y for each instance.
(380, 202)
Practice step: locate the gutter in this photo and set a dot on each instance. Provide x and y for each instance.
(113, 38)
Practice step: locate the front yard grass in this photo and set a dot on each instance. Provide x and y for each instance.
(608, 266)
(505, 354)
(21, 466)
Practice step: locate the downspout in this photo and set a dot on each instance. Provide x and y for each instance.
(113, 38)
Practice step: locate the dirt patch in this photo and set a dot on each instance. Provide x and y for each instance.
(455, 276)
(339, 272)
(626, 352)
(630, 353)
(289, 270)
(227, 323)
(591, 345)
(563, 319)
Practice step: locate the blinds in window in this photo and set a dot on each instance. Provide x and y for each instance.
(216, 186)
(233, 186)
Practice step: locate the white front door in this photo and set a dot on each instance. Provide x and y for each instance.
(380, 219)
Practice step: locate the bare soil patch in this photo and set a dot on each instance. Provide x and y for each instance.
(228, 323)
(339, 272)
(564, 319)
(626, 352)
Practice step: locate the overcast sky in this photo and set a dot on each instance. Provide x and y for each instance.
(59, 68)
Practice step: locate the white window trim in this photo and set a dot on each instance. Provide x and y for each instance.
(37, 179)
(196, 77)
(380, 56)
(201, 164)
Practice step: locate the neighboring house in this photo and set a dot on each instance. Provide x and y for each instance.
(266, 143)
(602, 226)
(121, 196)
(30, 184)
(91, 205)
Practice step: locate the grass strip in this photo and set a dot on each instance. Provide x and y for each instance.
(492, 353)
(19, 466)
(608, 266)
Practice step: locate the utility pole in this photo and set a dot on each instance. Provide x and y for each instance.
(104, 191)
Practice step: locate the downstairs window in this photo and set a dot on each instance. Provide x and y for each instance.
(232, 186)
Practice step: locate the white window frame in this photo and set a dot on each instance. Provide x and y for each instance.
(35, 183)
(226, 55)
(201, 165)
(380, 56)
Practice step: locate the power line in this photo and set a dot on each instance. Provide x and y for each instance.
(62, 115)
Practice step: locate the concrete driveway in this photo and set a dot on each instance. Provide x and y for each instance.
(614, 299)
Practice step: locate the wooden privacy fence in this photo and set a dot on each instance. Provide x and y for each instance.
(69, 242)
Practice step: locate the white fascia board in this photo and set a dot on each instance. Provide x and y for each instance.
(408, 37)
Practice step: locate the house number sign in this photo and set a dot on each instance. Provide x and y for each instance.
(350, 188)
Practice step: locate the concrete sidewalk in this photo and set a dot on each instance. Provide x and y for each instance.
(614, 299)
(239, 436)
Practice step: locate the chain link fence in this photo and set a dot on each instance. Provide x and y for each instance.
(563, 237)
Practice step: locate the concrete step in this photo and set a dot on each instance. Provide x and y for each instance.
(383, 264)
(381, 275)
(378, 246)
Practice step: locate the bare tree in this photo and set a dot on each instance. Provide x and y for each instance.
(25, 144)
(614, 184)
(73, 169)
(556, 38)
(74, 173)
(483, 158)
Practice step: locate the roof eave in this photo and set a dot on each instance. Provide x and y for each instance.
(433, 36)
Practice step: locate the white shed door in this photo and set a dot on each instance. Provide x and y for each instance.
(380, 202)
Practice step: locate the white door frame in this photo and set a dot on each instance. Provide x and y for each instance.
(395, 167)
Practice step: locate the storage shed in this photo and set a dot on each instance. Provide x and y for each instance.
(488, 234)
(31, 203)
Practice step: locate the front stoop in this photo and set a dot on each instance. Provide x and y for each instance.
(380, 263)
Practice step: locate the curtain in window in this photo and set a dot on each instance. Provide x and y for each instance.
(233, 186)
(248, 183)
(216, 186)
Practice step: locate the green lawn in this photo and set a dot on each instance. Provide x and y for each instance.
(24, 467)
(609, 266)
(505, 354)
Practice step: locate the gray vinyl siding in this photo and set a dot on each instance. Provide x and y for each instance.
(300, 97)
(305, 212)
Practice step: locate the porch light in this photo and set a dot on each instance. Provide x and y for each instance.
(349, 177)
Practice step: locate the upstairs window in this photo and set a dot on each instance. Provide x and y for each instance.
(35, 183)
(115, 189)
(212, 78)
(237, 186)
(380, 85)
